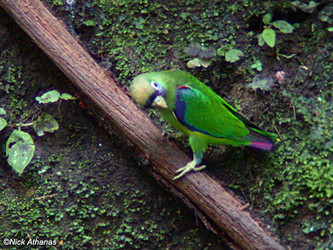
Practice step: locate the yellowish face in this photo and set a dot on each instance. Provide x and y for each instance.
(143, 90)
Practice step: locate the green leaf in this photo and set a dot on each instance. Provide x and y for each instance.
(66, 97)
(2, 111)
(269, 37)
(89, 23)
(197, 62)
(48, 97)
(257, 65)
(20, 149)
(45, 123)
(193, 63)
(220, 51)
(330, 29)
(3, 123)
(312, 226)
(306, 7)
(283, 26)
(205, 62)
(267, 18)
(58, 2)
(261, 41)
(233, 55)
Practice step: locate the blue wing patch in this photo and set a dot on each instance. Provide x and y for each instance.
(180, 108)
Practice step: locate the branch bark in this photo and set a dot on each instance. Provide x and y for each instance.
(209, 199)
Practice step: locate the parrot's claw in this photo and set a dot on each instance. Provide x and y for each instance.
(189, 167)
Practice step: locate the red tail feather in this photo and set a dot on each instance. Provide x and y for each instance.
(262, 145)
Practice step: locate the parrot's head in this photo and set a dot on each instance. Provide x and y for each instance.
(148, 92)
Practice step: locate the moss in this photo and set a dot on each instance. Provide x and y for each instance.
(131, 36)
(12, 83)
(65, 203)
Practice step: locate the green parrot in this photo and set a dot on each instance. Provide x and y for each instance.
(196, 110)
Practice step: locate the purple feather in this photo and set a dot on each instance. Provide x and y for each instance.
(262, 145)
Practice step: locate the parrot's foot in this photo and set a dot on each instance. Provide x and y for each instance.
(189, 167)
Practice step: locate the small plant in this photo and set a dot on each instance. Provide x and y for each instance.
(257, 65)
(268, 35)
(53, 96)
(3, 122)
(231, 55)
(203, 56)
(20, 147)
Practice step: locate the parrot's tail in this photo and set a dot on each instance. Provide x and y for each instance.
(262, 145)
(263, 140)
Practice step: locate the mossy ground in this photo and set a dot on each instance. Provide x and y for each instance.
(83, 189)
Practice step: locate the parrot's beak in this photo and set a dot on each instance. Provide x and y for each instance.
(159, 102)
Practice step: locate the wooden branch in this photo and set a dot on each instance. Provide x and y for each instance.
(210, 200)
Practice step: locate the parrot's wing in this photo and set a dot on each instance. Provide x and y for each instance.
(207, 113)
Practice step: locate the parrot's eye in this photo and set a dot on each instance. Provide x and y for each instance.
(155, 85)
